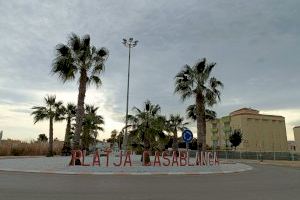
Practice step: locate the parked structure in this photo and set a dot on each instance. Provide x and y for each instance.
(297, 137)
(260, 132)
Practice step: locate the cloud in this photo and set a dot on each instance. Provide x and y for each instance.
(255, 45)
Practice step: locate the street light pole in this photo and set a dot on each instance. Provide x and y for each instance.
(130, 43)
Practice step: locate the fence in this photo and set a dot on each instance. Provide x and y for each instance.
(293, 156)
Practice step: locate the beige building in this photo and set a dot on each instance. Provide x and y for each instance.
(260, 132)
(297, 137)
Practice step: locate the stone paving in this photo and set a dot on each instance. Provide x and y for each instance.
(60, 165)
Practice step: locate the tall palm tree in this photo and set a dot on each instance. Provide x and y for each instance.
(147, 124)
(69, 115)
(79, 57)
(92, 123)
(52, 111)
(174, 124)
(196, 81)
(191, 113)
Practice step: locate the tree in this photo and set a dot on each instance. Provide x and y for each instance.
(174, 124)
(42, 138)
(191, 113)
(92, 123)
(69, 115)
(236, 138)
(113, 136)
(79, 57)
(52, 111)
(147, 125)
(196, 81)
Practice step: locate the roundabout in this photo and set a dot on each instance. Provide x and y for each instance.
(58, 165)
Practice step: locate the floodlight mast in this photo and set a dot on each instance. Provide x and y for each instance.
(130, 43)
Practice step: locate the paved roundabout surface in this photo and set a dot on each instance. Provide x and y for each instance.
(59, 165)
(264, 182)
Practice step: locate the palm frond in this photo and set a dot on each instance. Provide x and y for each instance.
(74, 42)
(40, 113)
(191, 112)
(94, 80)
(199, 66)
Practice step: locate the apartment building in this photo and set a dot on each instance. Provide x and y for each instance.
(260, 132)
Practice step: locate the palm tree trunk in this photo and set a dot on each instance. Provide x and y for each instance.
(50, 148)
(201, 123)
(66, 150)
(80, 108)
(175, 141)
(68, 130)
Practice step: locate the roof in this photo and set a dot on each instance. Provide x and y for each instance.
(250, 111)
(244, 111)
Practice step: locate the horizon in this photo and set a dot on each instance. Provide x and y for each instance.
(255, 46)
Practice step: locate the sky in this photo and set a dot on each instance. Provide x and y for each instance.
(256, 46)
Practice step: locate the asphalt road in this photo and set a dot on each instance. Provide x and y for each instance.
(264, 182)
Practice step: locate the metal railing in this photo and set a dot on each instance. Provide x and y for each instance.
(293, 156)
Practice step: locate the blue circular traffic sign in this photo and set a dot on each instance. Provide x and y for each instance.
(187, 135)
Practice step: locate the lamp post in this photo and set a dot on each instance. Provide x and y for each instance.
(130, 43)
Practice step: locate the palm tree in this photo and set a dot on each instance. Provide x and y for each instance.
(92, 123)
(114, 134)
(79, 57)
(196, 81)
(147, 124)
(52, 111)
(191, 113)
(175, 123)
(70, 113)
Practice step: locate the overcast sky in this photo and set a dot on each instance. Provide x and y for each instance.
(256, 45)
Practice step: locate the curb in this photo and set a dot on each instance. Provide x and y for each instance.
(126, 173)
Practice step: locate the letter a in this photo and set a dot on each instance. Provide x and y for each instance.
(127, 158)
(174, 158)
